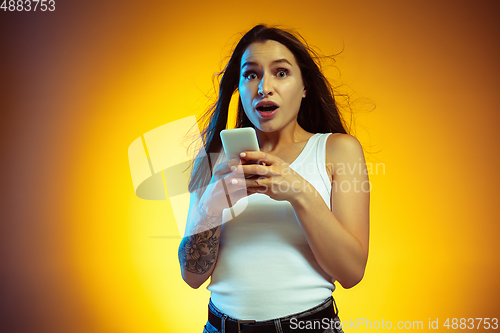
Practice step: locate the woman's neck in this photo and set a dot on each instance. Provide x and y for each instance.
(272, 141)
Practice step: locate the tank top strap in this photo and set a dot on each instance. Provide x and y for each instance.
(321, 160)
(311, 164)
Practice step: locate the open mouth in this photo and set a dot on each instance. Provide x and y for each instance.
(267, 108)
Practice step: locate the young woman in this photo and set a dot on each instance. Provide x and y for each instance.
(306, 223)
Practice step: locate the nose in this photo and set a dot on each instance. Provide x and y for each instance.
(265, 86)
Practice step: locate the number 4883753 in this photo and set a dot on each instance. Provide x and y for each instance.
(471, 323)
(28, 5)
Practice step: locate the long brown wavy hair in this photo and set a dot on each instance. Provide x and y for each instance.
(318, 111)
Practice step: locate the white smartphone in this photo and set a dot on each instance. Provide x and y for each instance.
(238, 140)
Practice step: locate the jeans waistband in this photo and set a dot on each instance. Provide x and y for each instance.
(225, 323)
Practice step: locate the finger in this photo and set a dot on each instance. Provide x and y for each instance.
(258, 170)
(234, 185)
(257, 189)
(258, 185)
(227, 167)
(261, 156)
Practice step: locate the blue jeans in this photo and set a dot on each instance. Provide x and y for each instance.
(295, 324)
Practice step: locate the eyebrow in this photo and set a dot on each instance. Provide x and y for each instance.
(253, 63)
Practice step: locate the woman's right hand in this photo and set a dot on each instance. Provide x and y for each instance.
(226, 187)
(218, 195)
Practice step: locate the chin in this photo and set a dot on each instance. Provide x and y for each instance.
(267, 128)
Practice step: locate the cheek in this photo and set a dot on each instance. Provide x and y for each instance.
(297, 91)
(242, 90)
(245, 99)
(245, 94)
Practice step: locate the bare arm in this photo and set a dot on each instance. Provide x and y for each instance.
(339, 237)
(199, 248)
(198, 252)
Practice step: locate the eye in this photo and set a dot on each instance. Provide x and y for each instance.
(282, 72)
(249, 75)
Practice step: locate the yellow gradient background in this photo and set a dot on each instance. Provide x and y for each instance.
(80, 252)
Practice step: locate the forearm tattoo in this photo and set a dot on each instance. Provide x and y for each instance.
(198, 252)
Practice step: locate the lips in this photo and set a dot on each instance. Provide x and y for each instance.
(266, 109)
(266, 106)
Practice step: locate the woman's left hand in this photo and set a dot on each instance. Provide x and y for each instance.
(275, 179)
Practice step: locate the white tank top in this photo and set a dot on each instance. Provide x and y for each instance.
(265, 268)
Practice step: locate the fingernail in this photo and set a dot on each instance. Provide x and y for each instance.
(234, 181)
(233, 168)
(243, 155)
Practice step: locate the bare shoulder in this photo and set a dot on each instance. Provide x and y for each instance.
(342, 148)
(339, 144)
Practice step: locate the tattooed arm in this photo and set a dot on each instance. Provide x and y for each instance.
(200, 245)
(198, 252)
